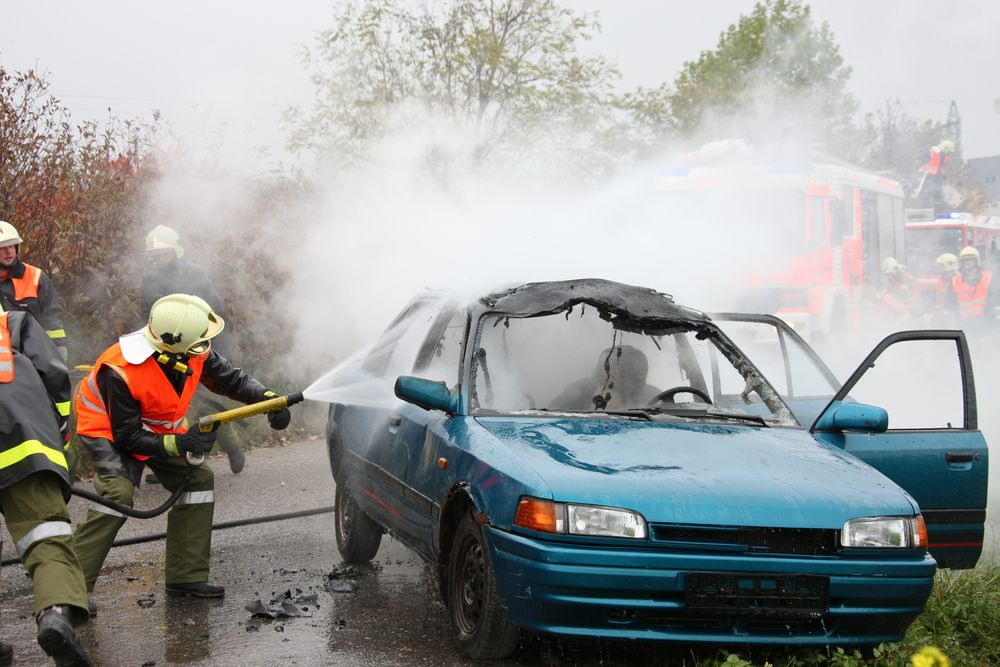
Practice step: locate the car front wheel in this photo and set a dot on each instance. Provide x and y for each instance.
(358, 537)
(479, 623)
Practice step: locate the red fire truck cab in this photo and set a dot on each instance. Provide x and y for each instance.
(829, 227)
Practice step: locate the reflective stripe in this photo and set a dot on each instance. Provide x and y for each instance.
(97, 507)
(42, 531)
(196, 498)
(29, 448)
(63, 408)
(92, 385)
(170, 445)
(95, 408)
(6, 353)
(56, 333)
(165, 424)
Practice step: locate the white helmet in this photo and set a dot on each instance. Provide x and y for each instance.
(969, 252)
(9, 235)
(948, 262)
(162, 238)
(182, 324)
(891, 266)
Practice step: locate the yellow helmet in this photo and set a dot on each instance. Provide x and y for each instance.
(967, 252)
(182, 324)
(162, 238)
(9, 235)
(890, 266)
(948, 262)
(947, 146)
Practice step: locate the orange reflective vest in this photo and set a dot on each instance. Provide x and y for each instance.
(161, 409)
(971, 298)
(6, 352)
(26, 287)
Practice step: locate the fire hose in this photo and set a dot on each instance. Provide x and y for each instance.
(205, 424)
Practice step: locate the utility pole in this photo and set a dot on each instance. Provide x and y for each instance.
(953, 127)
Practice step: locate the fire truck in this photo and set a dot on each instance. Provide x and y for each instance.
(927, 238)
(831, 225)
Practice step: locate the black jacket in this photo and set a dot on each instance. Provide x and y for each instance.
(30, 406)
(218, 375)
(47, 308)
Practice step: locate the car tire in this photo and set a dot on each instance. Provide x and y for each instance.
(479, 622)
(358, 537)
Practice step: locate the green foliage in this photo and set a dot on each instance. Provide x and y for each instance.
(962, 617)
(74, 192)
(774, 56)
(507, 72)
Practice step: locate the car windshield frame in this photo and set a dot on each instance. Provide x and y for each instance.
(701, 327)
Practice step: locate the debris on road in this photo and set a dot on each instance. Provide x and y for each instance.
(280, 606)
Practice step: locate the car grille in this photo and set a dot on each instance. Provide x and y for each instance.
(784, 541)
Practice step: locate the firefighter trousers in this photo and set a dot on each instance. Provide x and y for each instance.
(189, 522)
(36, 517)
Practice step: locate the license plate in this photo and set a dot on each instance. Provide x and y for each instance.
(757, 594)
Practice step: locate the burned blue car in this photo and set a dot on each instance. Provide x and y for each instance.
(591, 458)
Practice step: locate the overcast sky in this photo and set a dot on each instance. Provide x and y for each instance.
(233, 66)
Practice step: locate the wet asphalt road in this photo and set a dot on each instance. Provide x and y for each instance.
(393, 617)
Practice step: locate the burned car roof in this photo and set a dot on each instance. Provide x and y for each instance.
(632, 307)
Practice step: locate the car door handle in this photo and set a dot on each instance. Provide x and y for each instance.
(958, 457)
(394, 422)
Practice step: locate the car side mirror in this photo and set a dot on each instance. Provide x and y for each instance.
(853, 417)
(426, 394)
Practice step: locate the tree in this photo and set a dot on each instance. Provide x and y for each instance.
(894, 143)
(509, 72)
(74, 193)
(773, 62)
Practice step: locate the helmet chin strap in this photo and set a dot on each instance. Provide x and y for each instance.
(174, 362)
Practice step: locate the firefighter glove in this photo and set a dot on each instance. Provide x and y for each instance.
(193, 441)
(279, 419)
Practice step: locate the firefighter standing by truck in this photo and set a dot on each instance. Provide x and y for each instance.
(130, 412)
(973, 295)
(35, 484)
(167, 273)
(942, 313)
(28, 288)
(896, 301)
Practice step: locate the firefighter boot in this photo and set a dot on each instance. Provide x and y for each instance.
(236, 460)
(200, 589)
(59, 640)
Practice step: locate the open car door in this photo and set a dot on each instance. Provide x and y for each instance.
(932, 447)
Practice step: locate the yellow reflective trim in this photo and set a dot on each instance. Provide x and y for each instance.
(63, 408)
(57, 333)
(170, 445)
(28, 448)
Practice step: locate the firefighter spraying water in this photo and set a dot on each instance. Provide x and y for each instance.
(131, 411)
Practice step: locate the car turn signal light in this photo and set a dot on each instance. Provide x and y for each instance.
(539, 515)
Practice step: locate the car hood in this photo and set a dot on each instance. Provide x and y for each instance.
(701, 473)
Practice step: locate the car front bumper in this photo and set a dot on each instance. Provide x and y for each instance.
(639, 593)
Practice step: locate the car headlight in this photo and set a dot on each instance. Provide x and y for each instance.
(890, 532)
(551, 517)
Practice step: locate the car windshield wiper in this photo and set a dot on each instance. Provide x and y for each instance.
(711, 413)
(635, 413)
